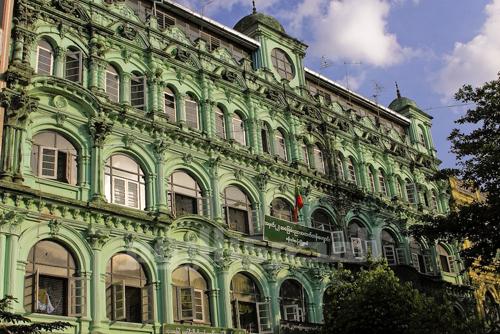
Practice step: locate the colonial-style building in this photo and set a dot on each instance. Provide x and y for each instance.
(150, 163)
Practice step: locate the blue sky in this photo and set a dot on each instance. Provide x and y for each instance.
(430, 47)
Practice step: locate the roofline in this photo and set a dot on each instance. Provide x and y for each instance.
(212, 22)
(333, 83)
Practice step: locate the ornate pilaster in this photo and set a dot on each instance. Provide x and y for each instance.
(261, 180)
(223, 261)
(99, 128)
(213, 165)
(160, 147)
(59, 57)
(18, 107)
(125, 87)
(273, 269)
(164, 250)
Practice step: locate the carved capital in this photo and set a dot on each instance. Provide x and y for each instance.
(262, 179)
(97, 237)
(18, 107)
(99, 129)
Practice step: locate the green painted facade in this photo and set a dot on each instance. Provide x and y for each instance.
(353, 161)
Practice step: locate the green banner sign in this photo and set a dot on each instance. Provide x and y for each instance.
(277, 230)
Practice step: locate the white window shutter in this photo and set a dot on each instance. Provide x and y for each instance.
(357, 248)
(133, 194)
(147, 294)
(48, 163)
(31, 292)
(291, 312)
(400, 255)
(185, 297)
(414, 261)
(452, 264)
(390, 255)
(338, 242)
(198, 305)
(109, 302)
(264, 318)
(119, 191)
(119, 301)
(77, 297)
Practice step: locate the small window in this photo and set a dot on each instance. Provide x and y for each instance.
(239, 134)
(319, 161)
(352, 170)
(281, 209)
(237, 209)
(282, 64)
(170, 105)
(446, 260)
(421, 261)
(220, 124)
(371, 179)
(340, 167)
(124, 182)
(358, 235)
(264, 134)
(45, 58)
(305, 154)
(410, 191)
(382, 183)
(192, 115)
(184, 195)
(392, 252)
(293, 301)
(322, 221)
(281, 145)
(53, 284)
(129, 293)
(190, 292)
(138, 91)
(54, 157)
(112, 84)
(73, 65)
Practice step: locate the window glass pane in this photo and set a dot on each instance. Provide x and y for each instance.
(137, 92)
(73, 66)
(170, 106)
(112, 84)
(52, 295)
(45, 58)
(220, 128)
(192, 120)
(239, 130)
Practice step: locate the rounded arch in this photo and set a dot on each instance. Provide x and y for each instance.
(281, 208)
(67, 130)
(256, 275)
(323, 215)
(136, 152)
(395, 233)
(194, 170)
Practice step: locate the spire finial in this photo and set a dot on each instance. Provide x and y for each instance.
(254, 10)
(397, 91)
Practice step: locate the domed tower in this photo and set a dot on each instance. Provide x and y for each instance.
(280, 55)
(420, 127)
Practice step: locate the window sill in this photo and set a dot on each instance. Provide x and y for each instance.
(124, 324)
(53, 317)
(55, 183)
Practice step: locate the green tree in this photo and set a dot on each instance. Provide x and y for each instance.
(11, 323)
(375, 301)
(477, 147)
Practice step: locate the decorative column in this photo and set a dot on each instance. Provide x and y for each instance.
(213, 164)
(208, 116)
(3, 252)
(272, 270)
(28, 45)
(164, 250)
(293, 144)
(59, 56)
(213, 296)
(125, 88)
(160, 147)
(153, 83)
(99, 128)
(182, 110)
(222, 264)
(97, 238)
(18, 107)
(262, 179)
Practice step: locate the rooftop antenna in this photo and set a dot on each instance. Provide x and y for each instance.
(398, 93)
(254, 8)
(324, 63)
(377, 89)
(347, 64)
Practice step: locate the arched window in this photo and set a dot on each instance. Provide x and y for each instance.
(73, 65)
(410, 191)
(190, 296)
(192, 114)
(184, 194)
(382, 183)
(446, 260)
(52, 283)
(434, 200)
(44, 58)
(250, 311)
(54, 157)
(112, 84)
(340, 167)
(360, 244)
(319, 160)
(420, 260)
(392, 253)
(264, 135)
(170, 105)
(124, 182)
(138, 91)
(293, 299)
(371, 179)
(281, 209)
(305, 154)
(281, 145)
(322, 220)
(129, 292)
(220, 123)
(351, 167)
(239, 134)
(238, 210)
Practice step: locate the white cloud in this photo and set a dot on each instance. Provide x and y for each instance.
(213, 6)
(353, 30)
(475, 61)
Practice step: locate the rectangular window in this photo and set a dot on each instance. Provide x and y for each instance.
(170, 107)
(390, 255)
(264, 318)
(357, 248)
(401, 255)
(237, 220)
(293, 313)
(192, 117)
(48, 163)
(164, 20)
(113, 86)
(45, 60)
(138, 93)
(338, 242)
(73, 70)
(410, 193)
(265, 140)
(383, 188)
(126, 192)
(220, 128)
(239, 131)
(198, 305)
(185, 205)
(445, 265)
(305, 154)
(319, 162)
(185, 303)
(281, 147)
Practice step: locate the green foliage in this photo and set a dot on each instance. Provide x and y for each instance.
(11, 323)
(478, 154)
(375, 301)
